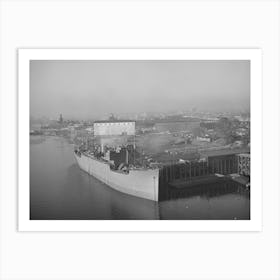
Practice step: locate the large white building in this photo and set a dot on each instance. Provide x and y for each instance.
(116, 127)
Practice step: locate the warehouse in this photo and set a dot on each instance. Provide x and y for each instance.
(116, 127)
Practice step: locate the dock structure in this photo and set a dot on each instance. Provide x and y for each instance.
(187, 173)
(184, 171)
(190, 170)
(208, 189)
(224, 164)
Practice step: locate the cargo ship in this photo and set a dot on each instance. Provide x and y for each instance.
(111, 157)
(137, 181)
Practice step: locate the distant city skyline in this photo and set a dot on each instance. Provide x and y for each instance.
(92, 89)
(146, 115)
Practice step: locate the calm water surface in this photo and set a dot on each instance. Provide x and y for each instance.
(60, 190)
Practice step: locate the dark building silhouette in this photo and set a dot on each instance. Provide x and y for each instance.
(60, 119)
(223, 164)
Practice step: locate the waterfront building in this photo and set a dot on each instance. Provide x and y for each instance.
(114, 127)
(243, 164)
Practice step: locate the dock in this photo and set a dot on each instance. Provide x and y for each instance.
(196, 181)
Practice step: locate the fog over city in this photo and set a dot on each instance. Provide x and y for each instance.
(176, 135)
(90, 89)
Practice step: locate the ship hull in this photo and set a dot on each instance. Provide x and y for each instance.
(143, 183)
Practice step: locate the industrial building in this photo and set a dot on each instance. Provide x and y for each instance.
(113, 128)
(209, 123)
(243, 164)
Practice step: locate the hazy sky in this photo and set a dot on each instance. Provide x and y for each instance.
(88, 89)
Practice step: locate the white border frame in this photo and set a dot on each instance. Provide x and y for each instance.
(24, 57)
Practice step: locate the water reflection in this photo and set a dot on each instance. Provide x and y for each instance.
(60, 190)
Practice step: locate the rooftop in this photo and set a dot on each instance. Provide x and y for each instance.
(114, 121)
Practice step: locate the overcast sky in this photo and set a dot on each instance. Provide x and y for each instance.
(89, 89)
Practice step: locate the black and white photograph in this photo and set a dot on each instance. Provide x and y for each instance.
(140, 139)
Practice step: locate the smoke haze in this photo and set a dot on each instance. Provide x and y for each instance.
(90, 89)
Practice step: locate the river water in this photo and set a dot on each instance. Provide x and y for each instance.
(60, 190)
